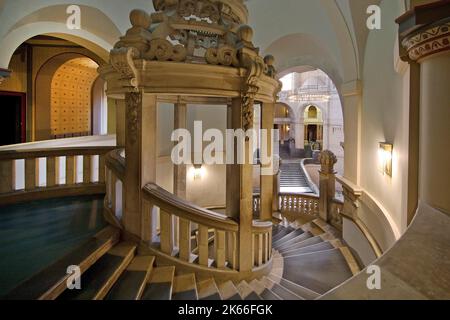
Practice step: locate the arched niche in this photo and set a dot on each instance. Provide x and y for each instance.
(43, 88)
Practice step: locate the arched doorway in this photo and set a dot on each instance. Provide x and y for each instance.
(313, 126)
(57, 91)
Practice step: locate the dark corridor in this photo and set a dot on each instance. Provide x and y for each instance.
(12, 118)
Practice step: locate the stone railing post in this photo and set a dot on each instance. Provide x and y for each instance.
(327, 183)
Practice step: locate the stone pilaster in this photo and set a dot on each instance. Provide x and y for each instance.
(425, 39)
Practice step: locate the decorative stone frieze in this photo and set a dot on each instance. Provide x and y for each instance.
(425, 31)
(430, 41)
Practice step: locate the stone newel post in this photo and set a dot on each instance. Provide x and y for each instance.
(327, 184)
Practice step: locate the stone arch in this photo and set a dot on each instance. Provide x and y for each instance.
(98, 33)
(297, 50)
(292, 113)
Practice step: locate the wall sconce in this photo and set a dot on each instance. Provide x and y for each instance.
(199, 172)
(385, 158)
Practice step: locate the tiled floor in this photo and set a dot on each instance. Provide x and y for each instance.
(35, 234)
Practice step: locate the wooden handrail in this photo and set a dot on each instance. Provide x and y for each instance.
(53, 152)
(186, 210)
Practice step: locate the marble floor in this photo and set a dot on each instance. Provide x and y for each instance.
(35, 234)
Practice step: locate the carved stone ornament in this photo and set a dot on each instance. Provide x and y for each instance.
(430, 41)
(225, 55)
(255, 67)
(122, 60)
(132, 102)
(327, 161)
(164, 50)
(195, 31)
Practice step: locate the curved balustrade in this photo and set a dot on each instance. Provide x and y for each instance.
(262, 242)
(216, 237)
(179, 219)
(32, 174)
(299, 204)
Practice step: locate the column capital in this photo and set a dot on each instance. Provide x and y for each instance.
(4, 74)
(425, 31)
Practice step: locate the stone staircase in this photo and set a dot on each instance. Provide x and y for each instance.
(308, 262)
(293, 179)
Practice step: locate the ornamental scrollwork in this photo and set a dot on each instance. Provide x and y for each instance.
(164, 50)
(122, 60)
(225, 56)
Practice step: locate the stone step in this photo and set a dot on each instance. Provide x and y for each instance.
(282, 233)
(185, 287)
(208, 290)
(98, 280)
(260, 289)
(300, 238)
(302, 244)
(302, 292)
(228, 291)
(313, 228)
(49, 283)
(276, 229)
(246, 292)
(160, 284)
(279, 290)
(294, 234)
(323, 246)
(132, 282)
(318, 271)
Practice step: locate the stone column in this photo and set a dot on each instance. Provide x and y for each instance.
(352, 98)
(428, 43)
(299, 135)
(179, 171)
(327, 183)
(140, 149)
(267, 169)
(240, 188)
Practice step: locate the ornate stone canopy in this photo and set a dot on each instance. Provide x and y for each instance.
(193, 48)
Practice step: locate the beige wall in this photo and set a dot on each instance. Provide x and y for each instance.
(385, 118)
(18, 80)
